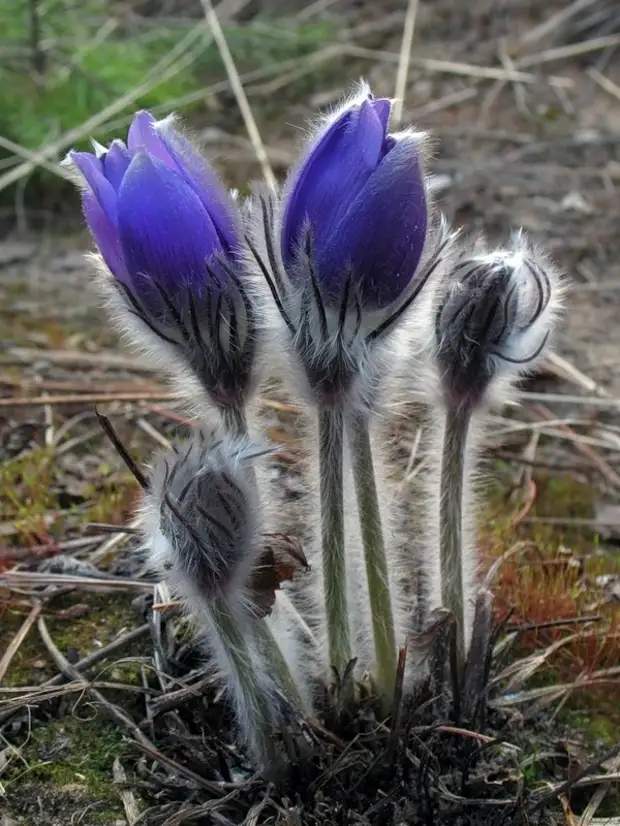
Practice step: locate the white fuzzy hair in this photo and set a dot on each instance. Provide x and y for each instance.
(524, 345)
(237, 658)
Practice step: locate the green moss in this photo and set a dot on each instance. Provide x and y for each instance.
(107, 616)
(71, 750)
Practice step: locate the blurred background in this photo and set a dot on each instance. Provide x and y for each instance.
(523, 97)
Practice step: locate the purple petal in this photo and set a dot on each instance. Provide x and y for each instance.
(105, 234)
(383, 109)
(166, 234)
(203, 179)
(115, 163)
(142, 136)
(381, 237)
(92, 170)
(334, 172)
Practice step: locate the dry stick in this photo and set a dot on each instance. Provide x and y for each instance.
(132, 812)
(608, 472)
(34, 158)
(75, 358)
(21, 579)
(18, 639)
(604, 82)
(117, 715)
(404, 60)
(595, 45)
(552, 24)
(86, 398)
(103, 653)
(239, 92)
(573, 781)
(461, 69)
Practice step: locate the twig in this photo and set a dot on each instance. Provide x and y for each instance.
(173, 699)
(597, 44)
(462, 69)
(573, 781)
(86, 398)
(604, 82)
(18, 639)
(404, 60)
(21, 579)
(565, 398)
(132, 812)
(122, 451)
(599, 794)
(605, 468)
(101, 654)
(552, 24)
(237, 86)
(74, 358)
(561, 367)
(33, 157)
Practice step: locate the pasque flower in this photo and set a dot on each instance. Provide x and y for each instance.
(201, 518)
(170, 235)
(358, 202)
(494, 314)
(349, 244)
(346, 249)
(493, 318)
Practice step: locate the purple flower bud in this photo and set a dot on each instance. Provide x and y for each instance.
(172, 238)
(156, 209)
(358, 202)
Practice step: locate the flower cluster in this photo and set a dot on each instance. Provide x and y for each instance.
(323, 276)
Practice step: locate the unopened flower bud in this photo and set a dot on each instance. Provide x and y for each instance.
(171, 237)
(203, 503)
(359, 196)
(494, 317)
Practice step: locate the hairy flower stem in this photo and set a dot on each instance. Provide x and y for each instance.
(331, 448)
(374, 556)
(256, 713)
(235, 421)
(451, 521)
(280, 670)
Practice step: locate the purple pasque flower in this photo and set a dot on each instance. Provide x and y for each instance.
(156, 209)
(357, 204)
(171, 237)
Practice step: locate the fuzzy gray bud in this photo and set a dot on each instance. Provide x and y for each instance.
(494, 317)
(204, 504)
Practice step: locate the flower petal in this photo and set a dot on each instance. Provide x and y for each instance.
(166, 234)
(381, 238)
(115, 163)
(105, 234)
(204, 181)
(92, 170)
(142, 136)
(334, 172)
